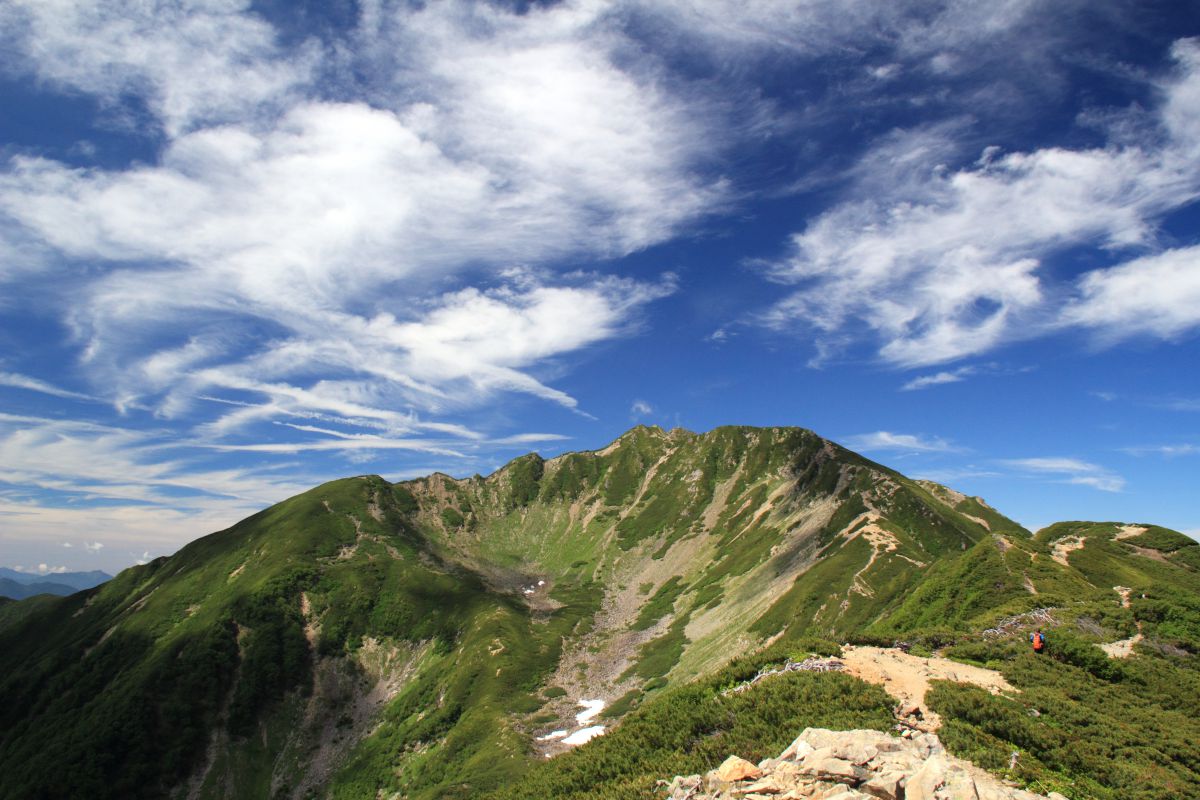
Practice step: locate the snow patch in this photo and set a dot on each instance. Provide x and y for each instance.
(590, 709)
(552, 735)
(584, 735)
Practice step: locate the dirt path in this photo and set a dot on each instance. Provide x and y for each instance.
(906, 677)
(1066, 545)
(1123, 648)
(1128, 532)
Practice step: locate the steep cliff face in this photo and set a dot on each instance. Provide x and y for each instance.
(426, 638)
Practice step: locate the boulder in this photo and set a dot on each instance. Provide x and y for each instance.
(929, 777)
(959, 785)
(797, 750)
(684, 786)
(856, 752)
(885, 786)
(737, 769)
(841, 793)
(928, 744)
(823, 765)
(770, 785)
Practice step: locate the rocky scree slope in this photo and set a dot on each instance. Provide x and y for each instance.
(851, 765)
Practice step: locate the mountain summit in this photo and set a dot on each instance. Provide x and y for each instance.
(438, 637)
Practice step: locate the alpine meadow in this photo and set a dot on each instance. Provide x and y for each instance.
(420, 639)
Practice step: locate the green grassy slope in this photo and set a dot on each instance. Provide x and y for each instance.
(214, 638)
(1086, 724)
(412, 639)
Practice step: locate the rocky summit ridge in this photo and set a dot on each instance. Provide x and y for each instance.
(824, 764)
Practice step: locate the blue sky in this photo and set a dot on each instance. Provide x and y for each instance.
(249, 247)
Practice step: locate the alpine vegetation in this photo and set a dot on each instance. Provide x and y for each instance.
(588, 625)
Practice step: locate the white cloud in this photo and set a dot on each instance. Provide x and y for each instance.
(950, 476)
(755, 28)
(306, 251)
(36, 385)
(1157, 295)
(104, 462)
(29, 525)
(1074, 470)
(952, 376)
(640, 408)
(201, 61)
(886, 440)
(40, 569)
(720, 335)
(342, 443)
(1053, 464)
(1182, 404)
(1168, 450)
(530, 438)
(941, 264)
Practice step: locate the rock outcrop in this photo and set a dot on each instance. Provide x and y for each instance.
(851, 765)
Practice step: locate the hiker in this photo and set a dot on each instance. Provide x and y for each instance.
(1038, 640)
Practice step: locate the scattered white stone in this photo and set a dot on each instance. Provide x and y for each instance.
(584, 735)
(529, 591)
(541, 583)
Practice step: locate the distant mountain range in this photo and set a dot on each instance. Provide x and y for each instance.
(435, 638)
(19, 585)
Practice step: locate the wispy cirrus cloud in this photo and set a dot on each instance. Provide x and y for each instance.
(483, 138)
(202, 62)
(1168, 450)
(362, 238)
(899, 442)
(938, 378)
(1182, 404)
(111, 463)
(374, 240)
(640, 408)
(940, 264)
(1070, 470)
(40, 386)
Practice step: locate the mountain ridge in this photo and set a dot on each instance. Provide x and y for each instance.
(58, 583)
(420, 637)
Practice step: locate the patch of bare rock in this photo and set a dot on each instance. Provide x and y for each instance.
(848, 765)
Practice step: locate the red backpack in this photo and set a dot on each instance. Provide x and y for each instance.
(1039, 641)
